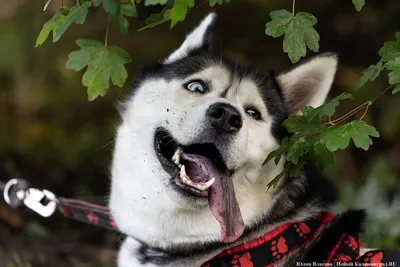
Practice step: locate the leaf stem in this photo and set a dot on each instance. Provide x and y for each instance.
(108, 26)
(293, 5)
(369, 103)
(360, 107)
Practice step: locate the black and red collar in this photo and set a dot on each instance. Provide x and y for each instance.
(273, 246)
(277, 245)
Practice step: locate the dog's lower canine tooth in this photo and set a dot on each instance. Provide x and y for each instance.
(209, 184)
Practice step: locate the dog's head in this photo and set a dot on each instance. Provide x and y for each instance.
(188, 161)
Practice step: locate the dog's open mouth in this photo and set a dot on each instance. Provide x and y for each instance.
(200, 170)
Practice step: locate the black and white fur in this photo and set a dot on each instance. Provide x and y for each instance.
(165, 227)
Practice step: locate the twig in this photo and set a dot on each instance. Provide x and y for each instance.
(366, 109)
(360, 107)
(383, 93)
(196, 7)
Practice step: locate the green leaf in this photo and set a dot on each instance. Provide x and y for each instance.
(48, 27)
(322, 157)
(298, 149)
(155, 2)
(77, 14)
(179, 10)
(157, 19)
(290, 169)
(329, 108)
(278, 153)
(298, 30)
(369, 74)
(359, 4)
(394, 67)
(301, 124)
(97, 3)
(293, 170)
(219, 2)
(391, 49)
(103, 63)
(111, 7)
(396, 89)
(46, 5)
(310, 122)
(280, 20)
(128, 10)
(338, 137)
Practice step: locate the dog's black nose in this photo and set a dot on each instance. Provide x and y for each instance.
(224, 118)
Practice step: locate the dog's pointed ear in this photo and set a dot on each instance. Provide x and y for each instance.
(309, 83)
(198, 40)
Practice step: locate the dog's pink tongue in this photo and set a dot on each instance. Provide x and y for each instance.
(221, 198)
(225, 208)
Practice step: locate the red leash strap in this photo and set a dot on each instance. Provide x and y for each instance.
(86, 212)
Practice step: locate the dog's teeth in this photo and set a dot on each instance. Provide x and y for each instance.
(176, 158)
(183, 175)
(208, 184)
(199, 186)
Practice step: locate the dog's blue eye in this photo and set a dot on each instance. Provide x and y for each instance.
(196, 86)
(255, 114)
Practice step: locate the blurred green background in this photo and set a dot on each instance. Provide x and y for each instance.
(51, 135)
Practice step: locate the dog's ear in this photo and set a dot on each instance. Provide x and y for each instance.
(198, 40)
(308, 84)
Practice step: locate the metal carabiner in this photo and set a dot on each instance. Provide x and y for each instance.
(42, 202)
(13, 192)
(17, 192)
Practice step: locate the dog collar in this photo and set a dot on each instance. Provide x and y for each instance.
(273, 247)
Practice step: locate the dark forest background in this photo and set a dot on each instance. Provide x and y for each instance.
(51, 135)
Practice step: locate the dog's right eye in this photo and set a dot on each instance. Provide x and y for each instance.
(196, 86)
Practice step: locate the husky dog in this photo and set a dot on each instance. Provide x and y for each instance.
(188, 179)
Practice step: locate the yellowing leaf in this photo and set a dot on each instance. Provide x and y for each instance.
(77, 14)
(179, 10)
(359, 4)
(48, 27)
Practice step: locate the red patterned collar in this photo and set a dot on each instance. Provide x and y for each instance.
(271, 248)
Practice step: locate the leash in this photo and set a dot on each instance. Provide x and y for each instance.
(18, 193)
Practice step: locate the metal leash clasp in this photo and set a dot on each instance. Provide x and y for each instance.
(43, 202)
